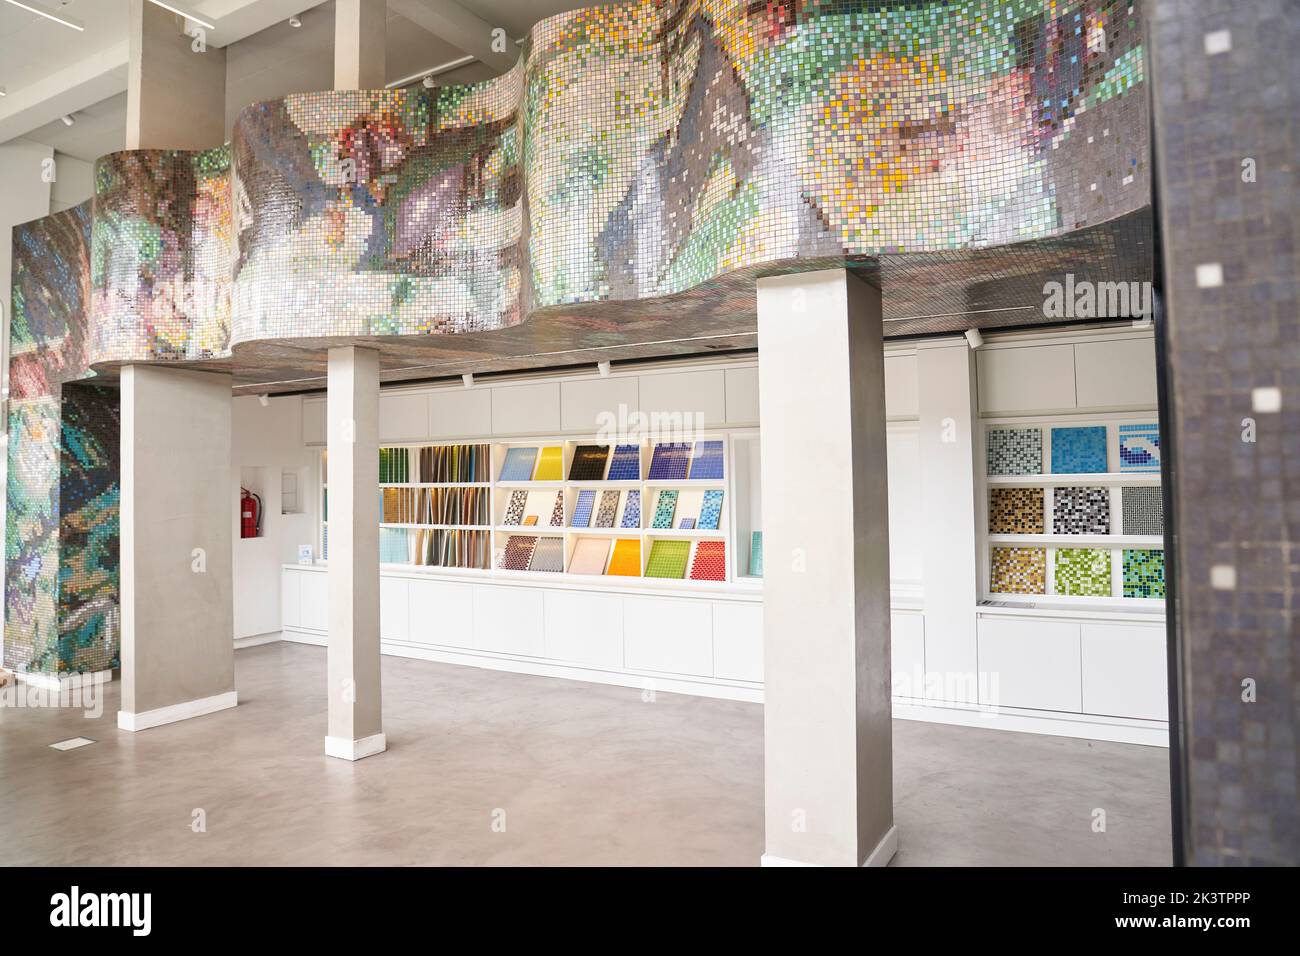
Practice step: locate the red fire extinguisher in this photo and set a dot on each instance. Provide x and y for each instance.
(250, 514)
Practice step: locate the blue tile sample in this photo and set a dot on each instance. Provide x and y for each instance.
(632, 510)
(708, 460)
(626, 464)
(1078, 451)
(519, 464)
(670, 460)
(711, 510)
(1015, 451)
(1139, 448)
(582, 511)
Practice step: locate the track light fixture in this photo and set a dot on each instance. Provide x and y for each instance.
(468, 379)
(973, 338)
(295, 22)
(182, 13)
(66, 120)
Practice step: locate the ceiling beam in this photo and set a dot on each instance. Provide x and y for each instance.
(464, 30)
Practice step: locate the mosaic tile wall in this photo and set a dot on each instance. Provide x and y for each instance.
(1224, 92)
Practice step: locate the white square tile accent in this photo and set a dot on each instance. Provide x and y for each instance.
(1266, 400)
(1220, 41)
(1223, 577)
(1209, 275)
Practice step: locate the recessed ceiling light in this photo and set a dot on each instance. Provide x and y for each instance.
(48, 14)
(295, 22)
(182, 13)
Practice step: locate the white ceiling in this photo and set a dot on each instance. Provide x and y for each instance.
(38, 59)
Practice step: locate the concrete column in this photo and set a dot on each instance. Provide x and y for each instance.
(355, 710)
(176, 83)
(945, 376)
(360, 38)
(178, 657)
(827, 734)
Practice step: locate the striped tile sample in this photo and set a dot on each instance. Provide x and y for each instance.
(582, 510)
(1143, 510)
(1018, 571)
(668, 559)
(518, 464)
(626, 464)
(1082, 572)
(519, 552)
(707, 462)
(632, 510)
(548, 555)
(710, 561)
(665, 506)
(608, 510)
(1081, 510)
(1015, 451)
(1139, 448)
(557, 513)
(589, 556)
(550, 466)
(589, 463)
(1079, 451)
(1015, 511)
(515, 510)
(1144, 573)
(711, 510)
(626, 560)
(670, 461)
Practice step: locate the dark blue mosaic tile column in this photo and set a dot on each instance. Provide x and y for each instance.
(1226, 95)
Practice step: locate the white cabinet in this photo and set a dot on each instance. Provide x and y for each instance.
(314, 608)
(1116, 373)
(584, 628)
(742, 396)
(442, 613)
(394, 609)
(460, 413)
(313, 423)
(403, 416)
(526, 409)
(1032, 663)
(738, 641)
(291, 599)
(901, 396)
(508, 620)
(688, 394)
(1027, 378)
(672, 637)
(907, 653)
(585, 405)
(1125, 671)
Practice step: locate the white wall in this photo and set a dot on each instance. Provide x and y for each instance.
(74, 182)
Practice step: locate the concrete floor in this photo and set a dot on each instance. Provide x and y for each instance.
(580, 774)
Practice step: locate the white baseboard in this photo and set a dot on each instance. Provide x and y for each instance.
(1124, 730)
(255, 640)
(880, 856)
(61, 682)
(145, 719)
(346, 749)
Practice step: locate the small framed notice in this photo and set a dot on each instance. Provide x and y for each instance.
(304, 554)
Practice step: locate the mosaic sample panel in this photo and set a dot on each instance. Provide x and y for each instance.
(756, 554)
(557, 513)
(1139, 448)
(548, 555)
(550, 464)
(1018, 571)
(707, 462)
(518, 465)
(588, 463)
(668, 559)
(1144, 573)
(626, 559)
(1078, 451)
(710, 561)
(1015, 451)
(519, 552)
(582, 510)
(632, 510)
(1015, 511)
(665, 506)
(625, 465)
(670, 461)
(515, 510)
(711, 510)
(608, 509)
(1082, 572)
(589, 556)
(1080, 510)
(1143, 510)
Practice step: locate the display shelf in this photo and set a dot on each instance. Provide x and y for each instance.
(1085, 478)
(691, 484)
(525, 485)
(684, 533)
(434, 484)
(1080, 540)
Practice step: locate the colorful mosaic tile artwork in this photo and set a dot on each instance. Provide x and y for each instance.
(665, 506)
(668, 559)
(1018, 571)
(1139, 448)
(1143, 510)
(626, 559)
(1144, 573)
(632, 510)
(518, 552)
(550, 464)
(588, 463)
(589, 556)
(711, 510)
(1015, 451)
(625, 464)
(1082, 572)
(548, 555)
(670, 461)
(1015, 511)
(582, 510)
(1079, 451)
(707, 462)
(518, 465)
(709, 562)
(608, 509)
(1080, 510)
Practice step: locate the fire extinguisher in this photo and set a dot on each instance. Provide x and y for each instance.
(250, 514)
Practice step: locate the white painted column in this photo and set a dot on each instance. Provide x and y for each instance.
(827, 730)
(946, 390)
(360, 40)
(354, 693)
(176, 83)
(178, 652)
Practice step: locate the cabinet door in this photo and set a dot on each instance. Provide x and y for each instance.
(738, 641)
(394, 613)
(1125, 672)
(442, 613)
(315, 601)
(1029, 663)
(508, 620)
(290, 598)
(584, 628)
(907, 654)
(666, 635)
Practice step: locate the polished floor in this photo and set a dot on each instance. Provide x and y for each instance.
(494, 768)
